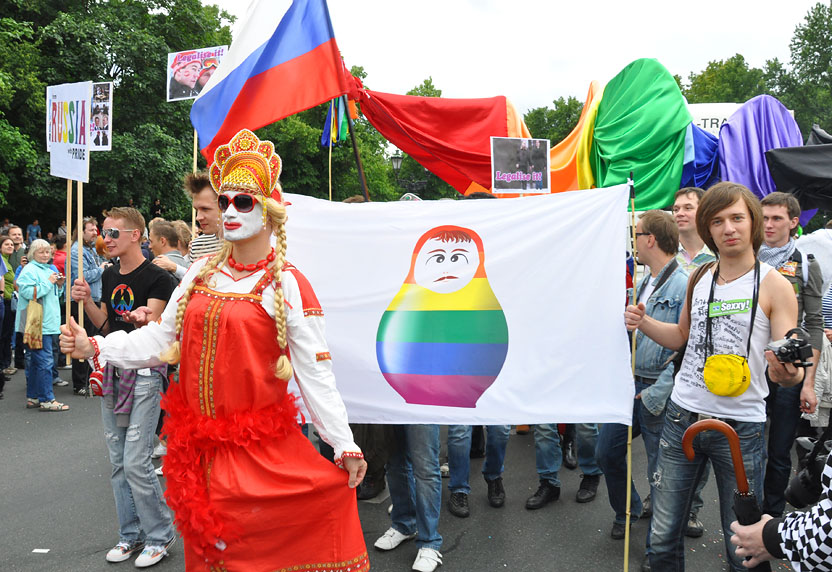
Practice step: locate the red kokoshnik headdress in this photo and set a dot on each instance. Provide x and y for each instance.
(247, 164)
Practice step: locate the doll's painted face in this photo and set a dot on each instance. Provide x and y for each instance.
(445, 267)
(238, 222)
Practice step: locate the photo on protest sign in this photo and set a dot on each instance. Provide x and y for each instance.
(101, 121)
(67, 130)
(519, 165)
(189, 71)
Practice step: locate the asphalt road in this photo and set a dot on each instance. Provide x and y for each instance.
(55, 495)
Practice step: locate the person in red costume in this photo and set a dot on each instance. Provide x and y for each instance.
(249, 491)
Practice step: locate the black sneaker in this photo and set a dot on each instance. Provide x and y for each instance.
(370, 488)
(546, 493)
(82, 391)
(458, 505)
(694, 527)
(496, 492)
(647, 507)
(588, 488)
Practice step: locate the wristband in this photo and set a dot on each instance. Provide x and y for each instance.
(96, 365)
(339, 462)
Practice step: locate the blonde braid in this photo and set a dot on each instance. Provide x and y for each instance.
(173, 354)
(277, 216)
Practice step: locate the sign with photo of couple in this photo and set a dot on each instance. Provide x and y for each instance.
(189, 71)
(473, 312)
(519, 165)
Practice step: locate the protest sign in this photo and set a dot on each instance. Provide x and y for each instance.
(189, 71)
(67, 130)
(519, 165)
(101, 121)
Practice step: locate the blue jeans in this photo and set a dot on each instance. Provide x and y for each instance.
(676, 478)
(459, 454)
(548, 454)
(39, 371)
(612, 456)
(140, 506)
(784, 415)
(416, 496)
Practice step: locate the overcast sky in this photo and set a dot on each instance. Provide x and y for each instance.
(534, 51)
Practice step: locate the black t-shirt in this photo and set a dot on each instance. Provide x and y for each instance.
(123, 293)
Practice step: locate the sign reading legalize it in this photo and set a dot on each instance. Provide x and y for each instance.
(67, 130)
(474, 312)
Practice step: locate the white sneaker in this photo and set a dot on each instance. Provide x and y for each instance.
(159, 450)
(158, 471)
(122, 551)
(427, 560)
(153, 554)
(60, 382)
(445, 470)
(392, 538)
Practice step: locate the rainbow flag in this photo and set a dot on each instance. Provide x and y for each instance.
(335, 125)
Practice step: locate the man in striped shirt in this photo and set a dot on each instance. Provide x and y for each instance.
(207, 217)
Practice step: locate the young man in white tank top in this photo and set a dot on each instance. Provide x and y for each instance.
(737, 290)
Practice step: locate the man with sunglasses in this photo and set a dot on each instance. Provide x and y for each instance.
(207, 217)
(134, 292)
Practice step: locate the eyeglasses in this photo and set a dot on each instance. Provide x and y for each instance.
(243, 202)
(643, 234)
(114, 233)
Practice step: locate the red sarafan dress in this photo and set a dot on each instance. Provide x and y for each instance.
(250, 493)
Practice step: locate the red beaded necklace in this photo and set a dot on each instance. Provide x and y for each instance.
(251, 267)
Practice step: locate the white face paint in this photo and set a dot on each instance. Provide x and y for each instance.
(240, 226)
(446, 267)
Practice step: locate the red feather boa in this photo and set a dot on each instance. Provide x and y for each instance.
(192, 440)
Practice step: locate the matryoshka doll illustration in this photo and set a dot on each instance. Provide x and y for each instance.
(444, 338)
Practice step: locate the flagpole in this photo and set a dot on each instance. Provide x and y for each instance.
(633, 364)
(193, 210)
(331, 111)
(361, 178)
(68, 270)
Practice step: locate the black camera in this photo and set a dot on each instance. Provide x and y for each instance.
(805, 487)
(793, 350)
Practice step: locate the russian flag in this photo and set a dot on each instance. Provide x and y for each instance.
(282, 62)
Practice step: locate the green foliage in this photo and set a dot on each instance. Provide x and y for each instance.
(728, 81)
(554, 123)
(426, 89)
(47, 42)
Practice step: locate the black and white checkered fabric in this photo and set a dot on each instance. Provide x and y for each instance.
(806, 537)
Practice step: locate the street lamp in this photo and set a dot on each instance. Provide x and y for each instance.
(410, 185)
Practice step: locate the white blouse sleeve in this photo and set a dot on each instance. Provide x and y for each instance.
(141, 347)
(313, 372)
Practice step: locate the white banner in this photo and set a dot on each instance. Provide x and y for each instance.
(67, 130)
(473, 311)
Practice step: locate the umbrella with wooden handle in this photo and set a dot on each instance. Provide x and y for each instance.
(746, 506)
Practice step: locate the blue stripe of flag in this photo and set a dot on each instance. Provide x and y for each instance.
(440, 359)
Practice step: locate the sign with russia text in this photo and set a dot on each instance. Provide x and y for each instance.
(67, 130)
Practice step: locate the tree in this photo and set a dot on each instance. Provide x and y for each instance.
(47, 42)
(806, 85)
(728, 81)
(554, 123)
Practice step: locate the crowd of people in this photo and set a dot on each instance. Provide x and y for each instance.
(724, 276)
